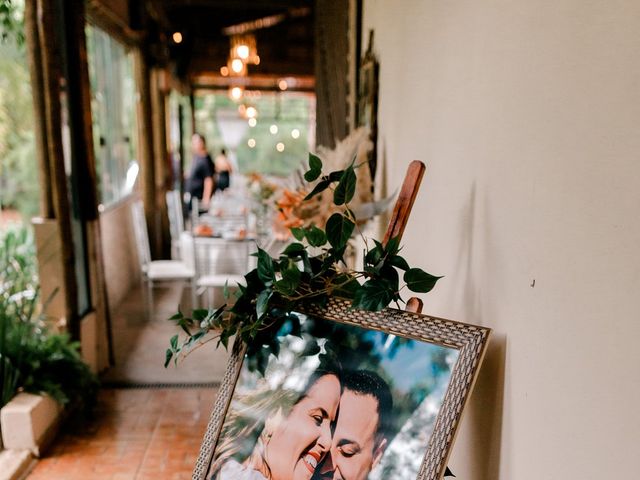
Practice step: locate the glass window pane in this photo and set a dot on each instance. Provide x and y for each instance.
(113, 109)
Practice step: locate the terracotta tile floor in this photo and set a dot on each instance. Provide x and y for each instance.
(136, 434)
(140, 434)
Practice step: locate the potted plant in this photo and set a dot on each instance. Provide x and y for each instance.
(34, 359)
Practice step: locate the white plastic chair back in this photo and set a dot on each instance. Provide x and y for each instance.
(176, 218)
(139, 223)
(195, 214)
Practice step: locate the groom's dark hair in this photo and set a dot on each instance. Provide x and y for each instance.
(366, 382)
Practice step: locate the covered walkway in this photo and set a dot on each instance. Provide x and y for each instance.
(143, 408)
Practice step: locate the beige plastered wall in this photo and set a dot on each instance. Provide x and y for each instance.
(121, 266)
(527, 114)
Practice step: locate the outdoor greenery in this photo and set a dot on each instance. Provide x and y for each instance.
(32, 358)
(18, 190)
(286, 111)
(11, 20)
(308, 272)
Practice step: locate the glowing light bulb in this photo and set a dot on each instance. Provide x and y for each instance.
(243, 51)
(177, 37)
(251, 112)
(283, 85)
(295, 133)
(236, 93)
(251, 142)
(273, 129)
(237, 65)
(280, 147)
(224, 71)
(252, 122)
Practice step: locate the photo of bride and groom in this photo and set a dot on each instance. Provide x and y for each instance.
(362, 407)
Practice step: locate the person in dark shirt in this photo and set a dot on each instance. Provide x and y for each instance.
(223, 170)
(201, 179)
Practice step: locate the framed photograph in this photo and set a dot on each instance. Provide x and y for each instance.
(351, 395)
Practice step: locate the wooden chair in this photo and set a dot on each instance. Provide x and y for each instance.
(157, 271)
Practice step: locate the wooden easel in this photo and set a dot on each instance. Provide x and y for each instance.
(398, 222)
(401, 212)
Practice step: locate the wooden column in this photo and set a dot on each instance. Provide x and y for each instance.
(192, 111)
(162, 163)
(39, 107)
(51, 62)
(84, 162)
(331, 62)
(145, 144)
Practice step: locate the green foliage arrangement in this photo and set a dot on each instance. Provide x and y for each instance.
(11, 20)
(32, 358)
(306, 273)
(17, 145)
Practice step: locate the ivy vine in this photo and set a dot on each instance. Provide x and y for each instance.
(307, 272)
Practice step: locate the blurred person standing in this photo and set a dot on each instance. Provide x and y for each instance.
(201, 183)
(223, 170)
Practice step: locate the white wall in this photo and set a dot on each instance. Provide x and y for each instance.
(527, 114)
(121, 265)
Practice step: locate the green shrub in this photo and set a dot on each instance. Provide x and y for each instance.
(32, 358)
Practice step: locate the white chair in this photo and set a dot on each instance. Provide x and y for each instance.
(217, 261)
(176, 222)
(157, 271)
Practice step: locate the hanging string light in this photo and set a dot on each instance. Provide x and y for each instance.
(236, 93)
(236, 67)
(243, 47)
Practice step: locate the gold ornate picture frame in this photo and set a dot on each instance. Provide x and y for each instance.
(429, 361)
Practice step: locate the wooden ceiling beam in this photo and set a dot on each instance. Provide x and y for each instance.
(235, 4)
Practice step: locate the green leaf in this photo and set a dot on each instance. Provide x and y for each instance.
(311, 175)
(374, 255)
(320, 187)
(346, 187)
(418, 280)
(314, 162)
(399, 262)
(348, 290)
(174, 342)
(168, 357)
(266, 272)
(290, 281)
(373, 295)
(177, 316)
(339, 229)
(298, 233)
(262, 302)
(224, 338)
(335, 176)
(315, 168)
(316, 237)
(293, 250)
(393, 246)
(390, 275)
(200, 314)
